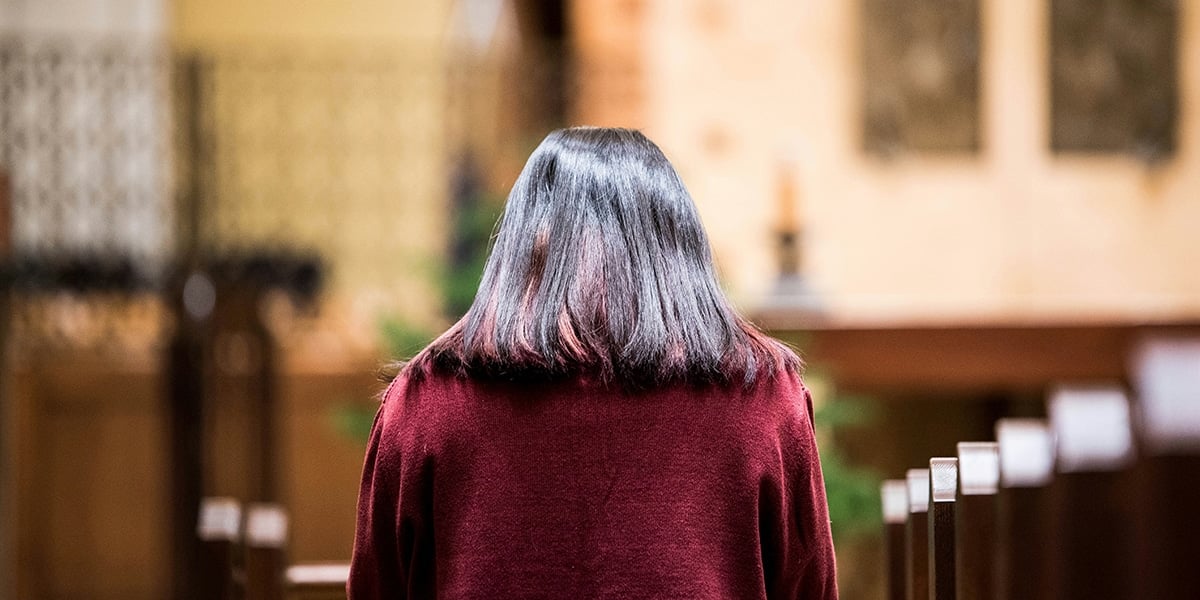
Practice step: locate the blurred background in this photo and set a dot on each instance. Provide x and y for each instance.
(219, 218)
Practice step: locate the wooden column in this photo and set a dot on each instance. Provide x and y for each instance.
(245, 377)
(1166, 374)
(191, 296)
(894, 493)
(187, 365)
(943, 486)
(1023, 531)
(916, 535)
(8, 429)
(1092, 494)
(975, 519)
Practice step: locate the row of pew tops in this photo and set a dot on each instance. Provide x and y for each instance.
(1100, 500)
(243, 555)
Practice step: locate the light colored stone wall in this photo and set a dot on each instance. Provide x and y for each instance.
(734, 88)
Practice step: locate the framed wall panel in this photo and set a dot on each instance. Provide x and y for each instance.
(920, 69)
(1113, 76)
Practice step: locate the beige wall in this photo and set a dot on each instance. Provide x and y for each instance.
(1013, 233)
(609, 45)
(205, 21)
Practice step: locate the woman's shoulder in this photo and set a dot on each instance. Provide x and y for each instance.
(415, 390)
(783, 399)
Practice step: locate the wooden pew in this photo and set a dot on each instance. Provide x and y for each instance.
(916, 535)
(943, 487)
(265, 551)
(1026, 461)
(266, 574)
(317, 581)
(975, 519)
(1057, 510)
(1092, 494)
(1166, 375)
(894, 493)
(218, 527)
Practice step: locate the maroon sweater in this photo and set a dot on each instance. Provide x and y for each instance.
(573, 490)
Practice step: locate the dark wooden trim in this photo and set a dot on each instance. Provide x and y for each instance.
(968, 357)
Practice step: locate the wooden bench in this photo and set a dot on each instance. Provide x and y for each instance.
(943, 488)
(975, 519)
(246, 557)
(1092, 493)
(1099, 501)
(1026, 457)
(916, 535)
(219, 529)
(895, 517)
(1166, 378)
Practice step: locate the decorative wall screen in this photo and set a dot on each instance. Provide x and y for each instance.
(84, 134)
(920, 76)
(1114, 72)
(335, 150)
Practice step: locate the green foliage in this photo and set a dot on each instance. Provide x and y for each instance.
(354, 421)
(402, 339)
(456, 276)
(459, 278)
(852, 492)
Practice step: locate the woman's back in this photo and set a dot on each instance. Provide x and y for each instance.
(570, 489)
(511, 459)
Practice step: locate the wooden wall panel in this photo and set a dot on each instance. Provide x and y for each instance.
(98, 502)
(91, 508)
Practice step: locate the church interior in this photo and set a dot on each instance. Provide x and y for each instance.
(221, 220)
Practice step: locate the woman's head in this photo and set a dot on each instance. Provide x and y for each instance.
(601, 266)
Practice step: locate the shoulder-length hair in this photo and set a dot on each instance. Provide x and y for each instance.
(600, 268)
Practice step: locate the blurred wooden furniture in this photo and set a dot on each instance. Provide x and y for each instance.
(246, 558)
(1026, 452)
(916, 535)
(219, 530)
(317, 581)
(943, 487)
(1092, 494)
(1100, 501)
(895, 516)
(975, 519)
(1166, 376)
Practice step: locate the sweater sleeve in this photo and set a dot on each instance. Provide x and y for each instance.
(799, 553)
(378, 567)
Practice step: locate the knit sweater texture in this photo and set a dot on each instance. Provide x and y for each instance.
(576, 489)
